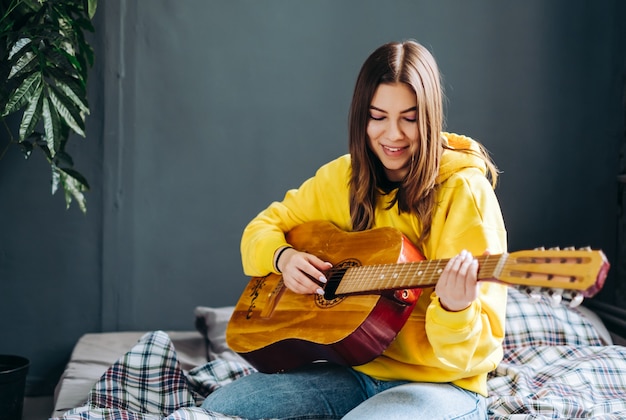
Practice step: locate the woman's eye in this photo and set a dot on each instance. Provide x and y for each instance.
(377, 117)
(410, 119)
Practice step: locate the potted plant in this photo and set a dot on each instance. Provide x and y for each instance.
(13, 370)
(43, 73)
(44, 66)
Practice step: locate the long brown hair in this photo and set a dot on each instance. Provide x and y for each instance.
(410, 63)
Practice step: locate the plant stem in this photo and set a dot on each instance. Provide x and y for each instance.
(10, 9)
(12, 6)
(11, 139)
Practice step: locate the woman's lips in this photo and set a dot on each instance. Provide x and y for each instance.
(394, 151)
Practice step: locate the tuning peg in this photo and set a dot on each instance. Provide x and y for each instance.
(554, 248)
(578, 299)
(573, 298)
(569, 248)
(540, 248)
(586, 248)
(555, 297)
(533, 293)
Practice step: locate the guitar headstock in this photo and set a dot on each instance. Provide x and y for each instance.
(573, 274)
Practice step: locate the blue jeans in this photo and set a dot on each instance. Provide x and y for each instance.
(325, 391)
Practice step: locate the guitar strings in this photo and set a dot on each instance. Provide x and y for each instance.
(416, 274)
(405, 275)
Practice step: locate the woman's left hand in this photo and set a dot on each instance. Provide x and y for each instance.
(458, 286)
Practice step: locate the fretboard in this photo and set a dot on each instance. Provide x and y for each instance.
(418, 274)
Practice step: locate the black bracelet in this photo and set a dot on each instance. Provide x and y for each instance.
(278, 257)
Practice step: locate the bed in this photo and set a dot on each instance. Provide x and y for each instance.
(559, 362)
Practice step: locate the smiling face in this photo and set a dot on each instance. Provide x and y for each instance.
(392, 129)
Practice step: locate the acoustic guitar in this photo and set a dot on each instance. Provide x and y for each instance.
(376, 279)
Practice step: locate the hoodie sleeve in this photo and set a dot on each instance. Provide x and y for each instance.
(321, 197)
(469, 218)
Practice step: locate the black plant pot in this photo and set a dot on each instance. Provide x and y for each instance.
(13, 370)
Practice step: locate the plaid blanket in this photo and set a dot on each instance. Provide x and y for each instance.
(559, 382)
(148, 383)
(532, 382)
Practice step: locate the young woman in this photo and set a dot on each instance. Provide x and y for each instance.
(402, 171)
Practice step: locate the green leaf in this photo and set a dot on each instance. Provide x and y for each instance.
(78, 177)
(33, 4)
(74, 60)
(84, 49)
(91, 8)
(49, 35)
(59, 12)
(74, 96)
(52, 127)
(56, 178)
(84, 24)
(24, 94)
(87, 51)
(67, 111)
(72, 186)
(83, 66)
(31, 116)
(17, 47)
(63, 160)
(58, 59)
(25, 64)
(77, 85)
(47, 125)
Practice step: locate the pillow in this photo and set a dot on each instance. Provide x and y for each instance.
(530, 323)
(211, 323)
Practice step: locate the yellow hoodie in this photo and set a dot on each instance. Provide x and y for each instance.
(434, 345)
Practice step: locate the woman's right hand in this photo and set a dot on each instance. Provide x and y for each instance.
(302, 272)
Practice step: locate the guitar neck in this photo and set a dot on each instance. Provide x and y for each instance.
(583, 271)
(410, 275)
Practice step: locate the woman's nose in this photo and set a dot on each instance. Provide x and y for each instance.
(393, 131)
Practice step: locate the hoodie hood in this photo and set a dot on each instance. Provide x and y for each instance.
(464, 154)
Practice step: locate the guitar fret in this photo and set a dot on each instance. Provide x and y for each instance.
(405, 271)
(432, 272)
(387, 279)
(381, 277)
(501, 262)
(419, 272)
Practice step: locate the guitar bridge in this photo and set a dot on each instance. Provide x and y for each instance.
(272, 300)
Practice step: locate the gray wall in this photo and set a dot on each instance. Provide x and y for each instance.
(205, 111)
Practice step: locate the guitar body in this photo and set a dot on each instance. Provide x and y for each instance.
(276, 329)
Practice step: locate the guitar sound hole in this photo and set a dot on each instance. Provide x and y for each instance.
(334, 277)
